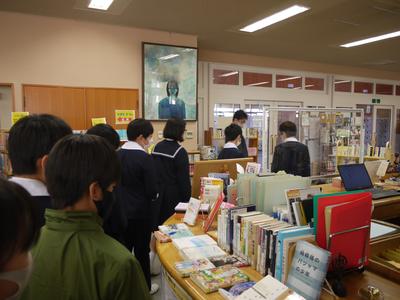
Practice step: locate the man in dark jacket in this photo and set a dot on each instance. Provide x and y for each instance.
(240, 118)
(291, 156)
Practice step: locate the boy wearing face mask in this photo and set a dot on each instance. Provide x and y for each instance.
(233, 137)
(19, 230)
(240, 118)
(137, 190)
(74, 258)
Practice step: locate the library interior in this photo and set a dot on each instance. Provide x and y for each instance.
(199, 149)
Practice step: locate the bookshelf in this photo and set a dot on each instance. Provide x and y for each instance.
(5, 164)
(194, 156)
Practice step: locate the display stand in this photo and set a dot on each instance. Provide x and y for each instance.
(333, 136)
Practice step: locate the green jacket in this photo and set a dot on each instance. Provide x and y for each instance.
(75, 259)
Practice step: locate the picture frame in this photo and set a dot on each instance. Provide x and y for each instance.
(169, 85)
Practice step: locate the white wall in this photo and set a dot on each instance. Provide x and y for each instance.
(54, 51)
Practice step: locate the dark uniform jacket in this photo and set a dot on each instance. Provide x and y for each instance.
(230, 151)
(172, 164)
(291, 157)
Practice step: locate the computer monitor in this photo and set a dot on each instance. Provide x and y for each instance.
(355, 177)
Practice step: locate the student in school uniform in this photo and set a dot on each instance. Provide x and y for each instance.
(291, 156)
(29, 142)
(138, 189)
(172, 163)
(19, 231)
(233, 136)
(240, 118)
(74, 259)
(112, 213)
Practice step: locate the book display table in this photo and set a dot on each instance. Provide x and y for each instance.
(184, 288)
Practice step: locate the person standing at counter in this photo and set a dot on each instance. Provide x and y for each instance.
(172, 163)
(291, 156)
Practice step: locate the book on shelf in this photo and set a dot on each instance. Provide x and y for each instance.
(232, 193)
(176, 231)
(300, 196)
(224, 177)
(232, 260)
(193, 241)
(185, 268)
(236, 290)
(201, 252)
(222, 277)
(308, 270)
(192, 211)
(253, 168)
(267, 288)
(183, 206)
(213, 213)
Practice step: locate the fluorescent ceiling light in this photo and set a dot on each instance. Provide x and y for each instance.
(100, 4)
(309, 85)
(297, 88)
(372, 39)
(168, 56)
(258, 83)
(275, 18)
(229, 74)
(341, 81)
(289, 78)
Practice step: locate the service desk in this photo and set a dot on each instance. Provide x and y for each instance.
(384, 209)
(169, 256)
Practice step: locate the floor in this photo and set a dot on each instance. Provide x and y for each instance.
(158, 295)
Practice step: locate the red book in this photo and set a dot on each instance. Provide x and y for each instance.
(213, 213)
(323, 202)
(342, 220)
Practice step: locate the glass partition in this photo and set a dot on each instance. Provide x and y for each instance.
(333, 136)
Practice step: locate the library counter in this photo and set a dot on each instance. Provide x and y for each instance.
(184, 288)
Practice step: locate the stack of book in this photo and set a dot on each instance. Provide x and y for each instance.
(196, 247)
(176, 231)
(210, 189)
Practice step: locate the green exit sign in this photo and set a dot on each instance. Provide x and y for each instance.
(376, 100)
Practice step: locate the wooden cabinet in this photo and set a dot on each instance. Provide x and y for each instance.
(77, 106)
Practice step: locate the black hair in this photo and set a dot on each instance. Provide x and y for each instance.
(240, 115)
(19, 221)
(75, 163)
(174, 129)
(232, 132)
(170, 84)
(31, 138)
(289, 128)
(139, 127)
(106, 131)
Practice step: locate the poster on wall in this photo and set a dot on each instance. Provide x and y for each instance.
(169, 82)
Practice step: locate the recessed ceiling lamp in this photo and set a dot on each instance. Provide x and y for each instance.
(100, 4)
(275, 18)
(289, 78)
(372, 39)
(229, 74)
(166, 57)
(258, 83)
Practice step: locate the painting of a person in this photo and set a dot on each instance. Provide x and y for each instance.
(171, 106)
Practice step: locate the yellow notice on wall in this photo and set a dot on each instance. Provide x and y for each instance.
(96, 121)
(124, 116)
(16, 115)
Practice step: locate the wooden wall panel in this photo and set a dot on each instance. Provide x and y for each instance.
(64, 102)
(102, 102)
(77, 106)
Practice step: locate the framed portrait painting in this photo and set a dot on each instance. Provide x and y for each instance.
(169, 82)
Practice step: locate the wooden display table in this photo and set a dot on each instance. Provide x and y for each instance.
(184, 288)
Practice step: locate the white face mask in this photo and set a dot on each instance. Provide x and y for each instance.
(19, 277)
